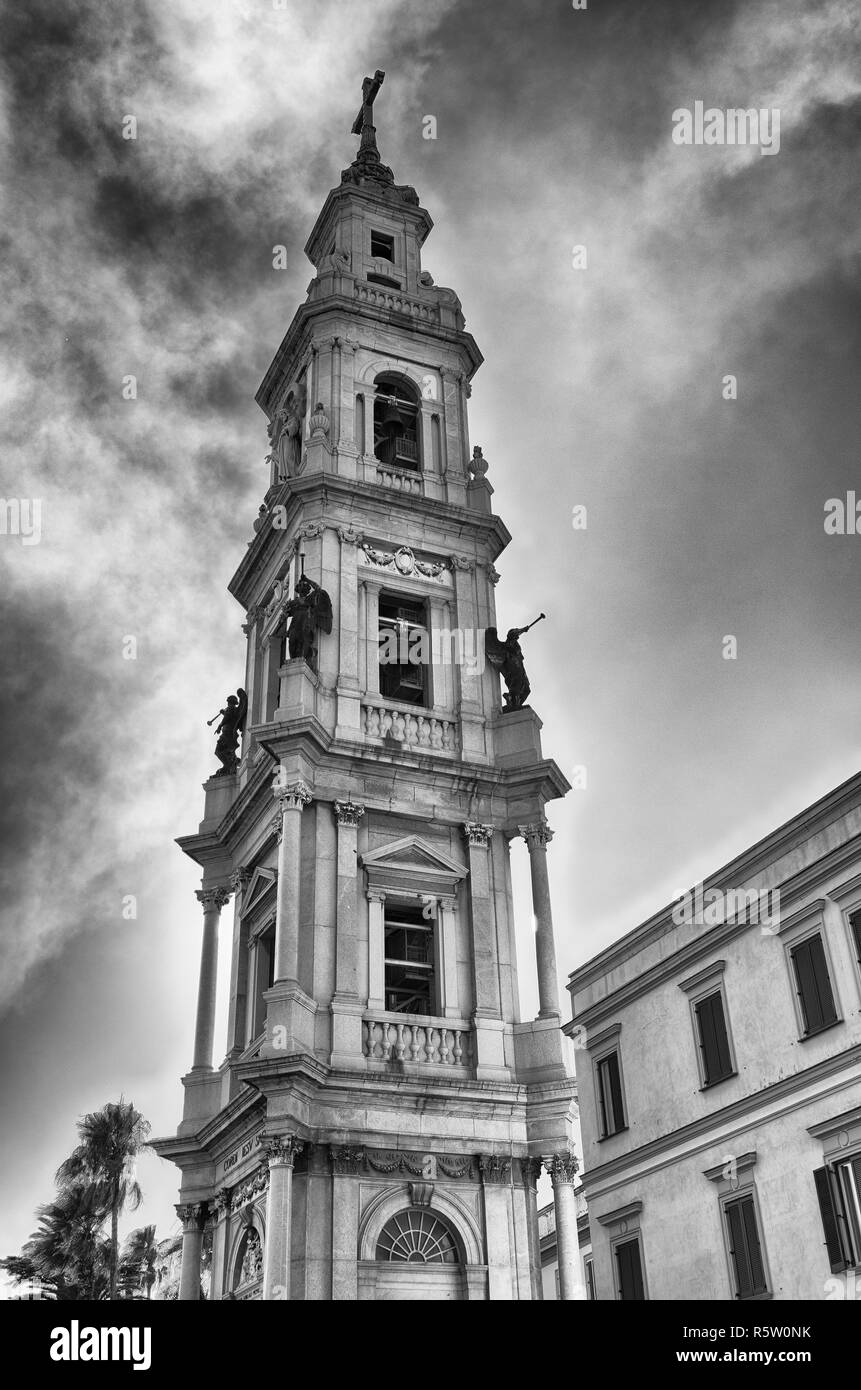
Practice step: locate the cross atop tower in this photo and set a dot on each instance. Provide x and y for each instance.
(370, 87)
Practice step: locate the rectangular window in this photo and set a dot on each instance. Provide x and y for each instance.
(382, 246)
(590, 1280)
(404, 650)
(855, 924)
(839, 1192)
(610, 1095)
(713, 1040)
(629, 1271)
(744, 1247)
(813, 985)
(409, 960)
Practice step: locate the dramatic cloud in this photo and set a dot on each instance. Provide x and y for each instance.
(152, 258)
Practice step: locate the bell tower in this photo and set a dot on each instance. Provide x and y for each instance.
(379, 1122)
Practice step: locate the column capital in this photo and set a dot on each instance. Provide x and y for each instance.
(281, 1149)
(537, 835)
(220, 1203)
(563, 1168)
(348, 813)
(495, 1168)
(477, 835)
(192, 1215)
(346, 1159)
(213, 898)
(348, 535)
(530, 1169)
(376, 895)
(239, 880)
(291, 796)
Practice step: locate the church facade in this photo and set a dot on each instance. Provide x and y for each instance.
(378, 1125)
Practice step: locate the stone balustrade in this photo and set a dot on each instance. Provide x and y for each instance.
(433, 732)
(395, 301)
(390, 1037)
(399, 479)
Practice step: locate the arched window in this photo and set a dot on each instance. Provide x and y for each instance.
(415, 1236)
(396, 420)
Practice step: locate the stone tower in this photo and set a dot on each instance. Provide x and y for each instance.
(379, 1122)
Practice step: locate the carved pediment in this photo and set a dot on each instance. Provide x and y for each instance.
(413, 864)
(260, 892)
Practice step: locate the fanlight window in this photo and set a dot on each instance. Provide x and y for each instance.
(416, 1237)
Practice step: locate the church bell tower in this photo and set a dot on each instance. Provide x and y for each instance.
(378, 1124)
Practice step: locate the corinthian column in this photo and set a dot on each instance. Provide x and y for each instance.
(281, 1151)
(537, 837)
(193, 1219)
(292, 798)
(213, 900)
(563, 1170)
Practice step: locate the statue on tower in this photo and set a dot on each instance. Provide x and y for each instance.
(309, 612)
(507, 658)
(285, 434)
(229, 730)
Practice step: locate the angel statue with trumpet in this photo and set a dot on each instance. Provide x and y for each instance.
(507, 658)
(229, 730)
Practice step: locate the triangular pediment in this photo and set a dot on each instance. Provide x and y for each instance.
(260, 888)
(412, 857)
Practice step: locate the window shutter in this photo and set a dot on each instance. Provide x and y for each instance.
(630, 1272)
(743, 1286)
(754, 1252)
(807, 990)
(828, 1211)
(824, 996)
(713, 1037)
(615, 1091)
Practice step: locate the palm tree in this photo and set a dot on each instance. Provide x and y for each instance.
(137, 1265)
(66, 1251)
(104, 1161)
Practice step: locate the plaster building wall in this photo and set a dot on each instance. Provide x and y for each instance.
(687, 1147)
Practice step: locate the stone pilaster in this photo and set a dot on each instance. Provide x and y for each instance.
(349, 704)
(347, 1163)
(220, 1210)
(538, 836)
(376, 949)
(292, 797)
(212, 901)
(289, 1010)
(239, 880)
(193, 1218)
(280, 1151)
(563, 1172)
(346, 1007)
(487, 1015)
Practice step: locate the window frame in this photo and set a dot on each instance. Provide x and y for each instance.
(589, 1278)
(840, 1137)
(699, 987)
(393, 902)
(407, 600)
(733, 1187)
(388, 238)
(795, 932)
(624, 1225)
(600, 1050)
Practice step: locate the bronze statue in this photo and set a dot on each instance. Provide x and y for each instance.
(507, 658)
(309, 611)
(231, 726)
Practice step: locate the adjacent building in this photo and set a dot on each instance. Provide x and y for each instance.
(378, 1124)
(719, 1078)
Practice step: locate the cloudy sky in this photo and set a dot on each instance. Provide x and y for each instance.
(602, 388)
